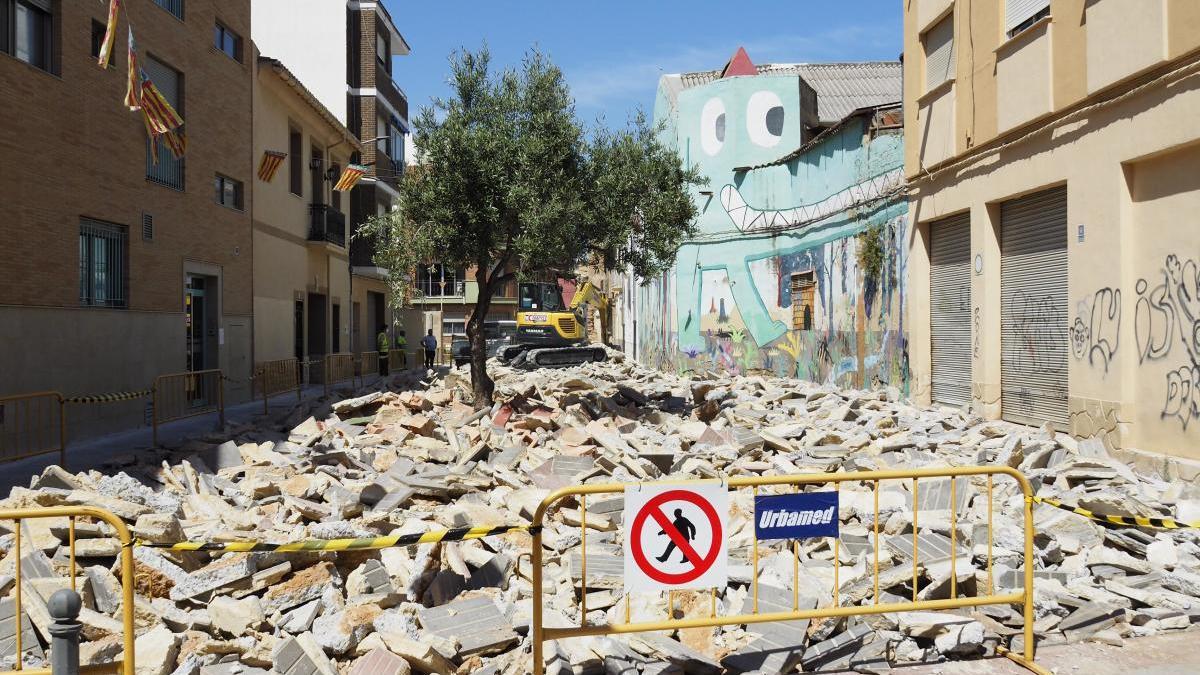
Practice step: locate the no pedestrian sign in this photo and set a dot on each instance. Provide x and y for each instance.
(675, 537)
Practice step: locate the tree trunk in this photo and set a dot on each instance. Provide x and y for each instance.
(481, 383)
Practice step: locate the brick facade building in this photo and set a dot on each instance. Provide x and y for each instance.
(118, 269)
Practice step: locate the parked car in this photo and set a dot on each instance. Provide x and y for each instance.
(498, 334)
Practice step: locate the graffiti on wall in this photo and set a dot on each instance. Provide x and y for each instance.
(1167, 316)
(1095, 334)
(1038, 322)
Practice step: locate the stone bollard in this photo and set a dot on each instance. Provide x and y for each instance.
(64, 608)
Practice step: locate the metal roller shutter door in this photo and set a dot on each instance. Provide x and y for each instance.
(1033, 314)
(950, 309)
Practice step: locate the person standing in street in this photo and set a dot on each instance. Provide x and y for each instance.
(402, 348)
(382, 345)
(429, 343)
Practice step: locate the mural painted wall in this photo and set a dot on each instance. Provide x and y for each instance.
(769, 227)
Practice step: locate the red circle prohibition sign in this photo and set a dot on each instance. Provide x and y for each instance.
(700, 564)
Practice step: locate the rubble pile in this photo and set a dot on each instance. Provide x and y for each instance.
(416, 458)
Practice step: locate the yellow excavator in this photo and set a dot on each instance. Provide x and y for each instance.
(552, 333)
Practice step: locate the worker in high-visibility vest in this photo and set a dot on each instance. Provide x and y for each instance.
(382, 344)
(402, 346)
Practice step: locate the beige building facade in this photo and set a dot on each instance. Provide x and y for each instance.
(1053, 156)
(302, 297)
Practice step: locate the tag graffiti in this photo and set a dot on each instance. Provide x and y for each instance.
(1171, 307)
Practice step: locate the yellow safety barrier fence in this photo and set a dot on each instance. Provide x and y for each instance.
(32, 425)
(361, 544)
(277, 377)
(398, 360)
(338, 368)
(181, 395)
(23, 588)
(1024, 597)
(367, 365)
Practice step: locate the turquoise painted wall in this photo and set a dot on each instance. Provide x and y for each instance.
(727, 305)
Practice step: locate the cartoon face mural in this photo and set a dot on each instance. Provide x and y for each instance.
(729, 304)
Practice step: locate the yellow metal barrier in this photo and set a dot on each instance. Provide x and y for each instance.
(367, 365)
(276, 377)
(338, 368)
(125, 667)
(33, 424)
(1025, 597)
(398, 360)
(181, 395)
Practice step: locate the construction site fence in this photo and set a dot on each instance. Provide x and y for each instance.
(32, 425)
(31, 613)
(35, 424)
(959, 479)
(181, 395)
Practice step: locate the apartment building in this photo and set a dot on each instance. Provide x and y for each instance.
(343, 52)
(122, 264)
(301, 262)
(1053, 155)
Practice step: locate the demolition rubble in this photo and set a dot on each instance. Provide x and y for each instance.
(415, 457)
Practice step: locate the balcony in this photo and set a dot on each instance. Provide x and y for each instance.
(326, 224)
(391, 93)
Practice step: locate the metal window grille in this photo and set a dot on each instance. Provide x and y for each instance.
(168, 169)
(147, 227)
(173, 6)
(103, 266)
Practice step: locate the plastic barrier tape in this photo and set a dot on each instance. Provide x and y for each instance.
(1132, 521)
(366, 543)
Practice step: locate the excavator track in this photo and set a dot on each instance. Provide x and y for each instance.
(563, 357)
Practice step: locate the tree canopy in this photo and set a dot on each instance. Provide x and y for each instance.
(510, 183)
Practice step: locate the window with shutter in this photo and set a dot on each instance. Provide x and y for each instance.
(939, 52)
(1020, 14)
(161, 165)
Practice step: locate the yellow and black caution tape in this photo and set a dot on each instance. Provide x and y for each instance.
(109, 398)
(365, 543)
(1133, 521)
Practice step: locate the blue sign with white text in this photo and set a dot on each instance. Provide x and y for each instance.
(796, 516)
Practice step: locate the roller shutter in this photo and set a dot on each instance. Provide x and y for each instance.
(939, 53)
(950, 309)
(1017, 12)
(1033, 314)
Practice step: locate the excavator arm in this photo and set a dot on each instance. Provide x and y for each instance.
(587, 294)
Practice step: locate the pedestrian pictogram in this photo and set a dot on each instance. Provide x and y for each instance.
(675, 537)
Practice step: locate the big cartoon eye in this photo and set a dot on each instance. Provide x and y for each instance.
(712, 126)
(764, 118)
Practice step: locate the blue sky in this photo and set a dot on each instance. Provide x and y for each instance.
(614, 51)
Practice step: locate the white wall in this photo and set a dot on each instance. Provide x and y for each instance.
(309, 37)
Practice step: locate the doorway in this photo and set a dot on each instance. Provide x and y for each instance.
(316, 325)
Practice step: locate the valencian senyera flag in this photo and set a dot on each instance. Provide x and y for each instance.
(270, 164)
(110, 34)
(133, 84)
(350, 176)
(176, 142)
(160, 115)
(150, 134)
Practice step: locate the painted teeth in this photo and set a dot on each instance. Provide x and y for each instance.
(749, 219)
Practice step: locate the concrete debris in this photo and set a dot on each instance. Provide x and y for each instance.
(407, 457)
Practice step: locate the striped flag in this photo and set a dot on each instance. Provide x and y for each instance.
(161, 115)
(133, 86)
(176, 142)
(350, 176)
(150, 134)
(110, 33)
(270, 164)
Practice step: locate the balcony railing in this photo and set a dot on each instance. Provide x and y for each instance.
(326, 224)
(391, 93)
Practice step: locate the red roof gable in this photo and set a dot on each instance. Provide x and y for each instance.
(740, 64)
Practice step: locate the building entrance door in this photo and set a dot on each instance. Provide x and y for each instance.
(201, 335)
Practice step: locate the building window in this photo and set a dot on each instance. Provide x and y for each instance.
(162, 167)
(228, 192)
(453, 328)
(227, 41)
(103, 271)
(27, 31)
(383, 52)
(98, 31)
(396, 139)
(437, 281)
(939, 52)
(296, 162)
(1021, 14)
(173, 6)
